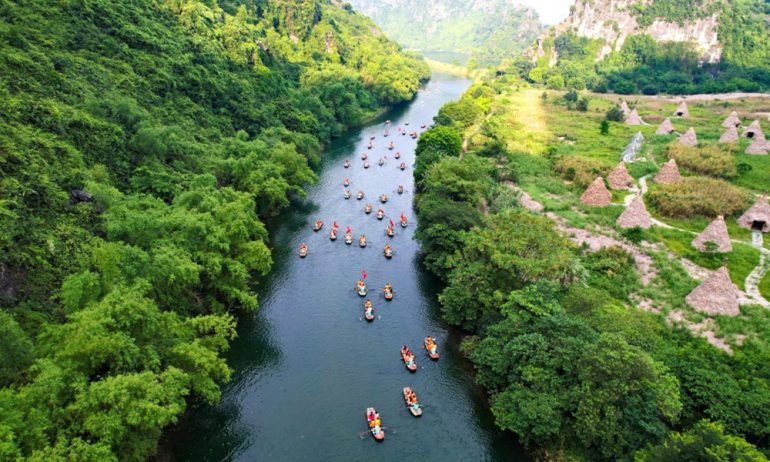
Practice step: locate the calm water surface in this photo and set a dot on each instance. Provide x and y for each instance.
(306, 365)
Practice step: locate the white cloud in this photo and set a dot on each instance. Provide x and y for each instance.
(550, 11)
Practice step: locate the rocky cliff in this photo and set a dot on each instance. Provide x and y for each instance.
(614, 20)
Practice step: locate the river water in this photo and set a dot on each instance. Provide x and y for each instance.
(306, 366)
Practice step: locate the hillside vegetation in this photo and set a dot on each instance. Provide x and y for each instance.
(142, 143)
(487, 31)
(578, 327)
(649, 63)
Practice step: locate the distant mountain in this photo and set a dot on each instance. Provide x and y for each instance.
(672, 46)
(488, 30)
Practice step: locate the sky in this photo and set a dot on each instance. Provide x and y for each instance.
(550, 11)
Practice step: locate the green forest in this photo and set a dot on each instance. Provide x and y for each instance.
(143, 144)
(645, 66)
(572, 367)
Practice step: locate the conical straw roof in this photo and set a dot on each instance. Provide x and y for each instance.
(597, 195)
(732, 120)
(730, 135)
(624, 107)
(754, 131)
(665, 128)
(716, 296)
(689, 138)
(669, 173)
(758, 148)
(619, 178)
(682, 110)
(633, 118)
(635, 215)
(758, 214)
(715, 232)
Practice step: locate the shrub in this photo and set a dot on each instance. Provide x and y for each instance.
(698, 196)
(706, 160)
(615, 114)
(582, 104)
(580, 170)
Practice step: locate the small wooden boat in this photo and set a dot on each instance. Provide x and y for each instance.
(372, 137)
(400, 189)
(347, 194)
(402, 166)
(386, 134)
(408, 359)
(387, 122)
(431, 348)
(368, 209)
(318, 225)
(360, 195)
(413, 135)
(368, 311)
(362, 241)
(387, 292)
(410, 398)
(346, 182)
(361, 288)
(403, 221)
(333, 234)
(423, 126)
(346, 164)
(348, 238)
(381, 162)
(383, 198)
(390, 146)
(406, 123)
(302, 250)
(364, 156)
(366, 164)
(398, 155)
(403, 133)
(375, 425)
(370, 145)
(389, 231)
(380, 214)
(387, 251)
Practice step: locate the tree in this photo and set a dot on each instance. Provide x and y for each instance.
(434, 144)
(704, 441)
(604, 127)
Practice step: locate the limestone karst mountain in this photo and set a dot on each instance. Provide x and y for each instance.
(487, 30)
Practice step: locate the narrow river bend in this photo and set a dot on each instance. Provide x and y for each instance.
(306, 365)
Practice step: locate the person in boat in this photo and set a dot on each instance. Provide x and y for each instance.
(371, 416)
(398, 155)
(402, 166)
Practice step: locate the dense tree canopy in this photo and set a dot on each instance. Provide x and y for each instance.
(141, 146)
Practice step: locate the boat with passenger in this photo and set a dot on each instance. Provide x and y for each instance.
(410, 398)
(375, 425)
(431, 348)
(408, 358)
(302, 250)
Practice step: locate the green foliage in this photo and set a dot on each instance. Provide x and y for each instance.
(646, 66)
(614, 114)
(433, 145)
(707, 160)
(698, 196)
(185, 123)
(454, 30)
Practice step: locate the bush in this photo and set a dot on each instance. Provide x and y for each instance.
(582, 104)
(706, 160)
(615, 114)
(698, 196)
(580, 170)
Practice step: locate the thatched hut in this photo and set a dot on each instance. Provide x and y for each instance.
(716, 233)
(729, 136)
(669, 173)
(757, 217)
(624, 108)
(635, 215)
(633, 118)
(682, 110)
(689, 138)
(732, 121)
(758, 148)
(665, 128)
(619, 178)
(716, 296)
(754, 131)
(597, 194)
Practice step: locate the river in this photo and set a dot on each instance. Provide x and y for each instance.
(306, 365)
